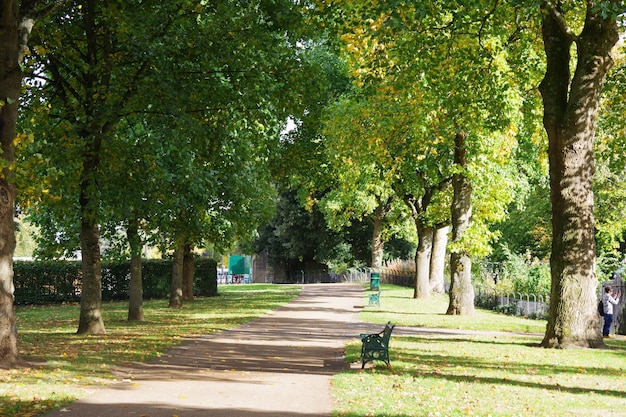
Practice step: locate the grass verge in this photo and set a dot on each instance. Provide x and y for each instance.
(66, 365)
(486, 365)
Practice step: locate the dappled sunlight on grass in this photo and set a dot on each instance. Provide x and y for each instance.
(65, 365)
(479, 374)
(398, 305)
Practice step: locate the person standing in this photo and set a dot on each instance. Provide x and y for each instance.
(608, 302)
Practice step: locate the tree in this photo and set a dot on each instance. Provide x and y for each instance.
(299, 236)
(461, 288)
(357, 193)
(414, 65)
(10, 84)
(176, 287)
(135, 292)
(16, 22)
(377, 134)
(346, 191)
(437, 260)
(89, 79)
(571, 105)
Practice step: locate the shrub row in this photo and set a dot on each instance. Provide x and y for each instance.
(47, 282)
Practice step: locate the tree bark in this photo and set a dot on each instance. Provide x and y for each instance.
(461, 289)
(418, 207)
(176, 286)
(188, 269)
(422, 260)
(135, 296)
(377, 237)
(10, 82)
(570, 112)
(437, 260)
(91, 134)
(90, 321)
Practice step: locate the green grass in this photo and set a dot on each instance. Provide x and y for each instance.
(468, 374)
(449, 373)
(398, 306)
(67, 365)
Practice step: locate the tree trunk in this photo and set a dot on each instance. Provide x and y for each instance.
(570, 112)
(10, 82)
(135, 296)
(377, 237)
(176, 286)
(91, 134)
(438, 259)
(461, 289)
(90, 321)
(422, 260)
(188, 269)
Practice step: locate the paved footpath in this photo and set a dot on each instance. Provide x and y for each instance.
(278, 365)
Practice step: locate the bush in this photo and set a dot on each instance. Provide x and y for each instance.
(520, 273)
(205, 277)
(510, 309)
(48, 282)
(486, 299)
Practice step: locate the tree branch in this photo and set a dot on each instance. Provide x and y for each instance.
(30, 11)
(555, 12)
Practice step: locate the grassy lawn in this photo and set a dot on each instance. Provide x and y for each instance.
(67, 365)
(459, 373)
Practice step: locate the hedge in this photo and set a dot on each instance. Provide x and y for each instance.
(48, 282)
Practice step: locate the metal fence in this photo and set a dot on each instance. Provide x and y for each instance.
(395, 276)
(514, 303)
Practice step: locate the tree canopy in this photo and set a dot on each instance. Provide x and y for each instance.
(193, 95)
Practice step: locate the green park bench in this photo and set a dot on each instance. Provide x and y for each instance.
(374, 299)
(376, 346)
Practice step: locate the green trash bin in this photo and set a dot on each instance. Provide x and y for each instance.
(374, 281)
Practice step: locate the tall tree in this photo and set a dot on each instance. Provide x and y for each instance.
(437, 260)
(89, 77)
(461, 288)
(135, 292)
(358, 192)
(17, 19)
(299, 236)
(377, 133)
(10, 84)
(570, 111)
(418, 62)
(347, 190)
